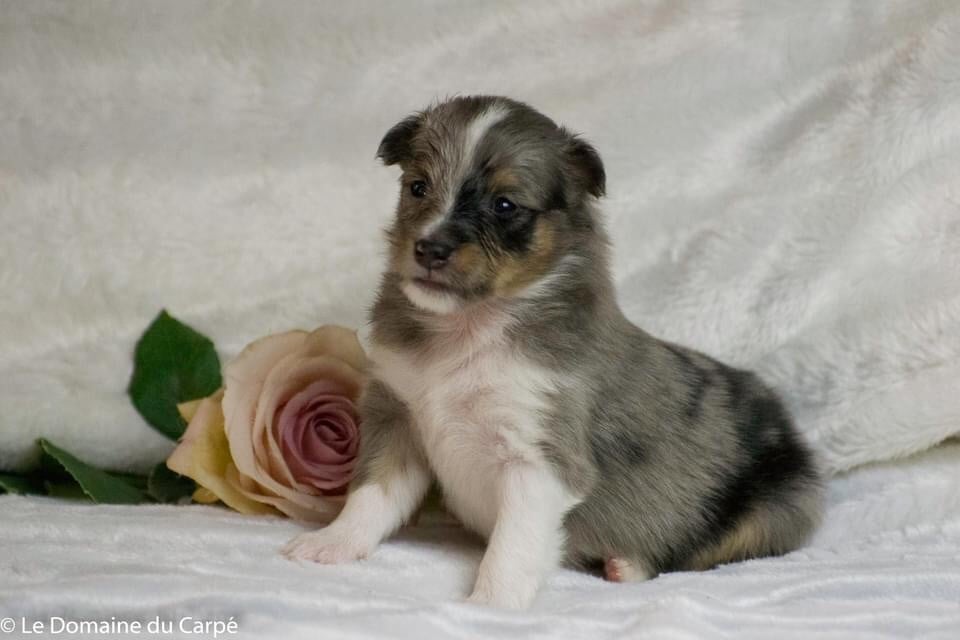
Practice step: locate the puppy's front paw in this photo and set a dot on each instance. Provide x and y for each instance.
(513, 598)
(327, 546)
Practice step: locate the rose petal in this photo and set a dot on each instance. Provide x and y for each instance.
(331, 504)
(204, 496)
(245, 377)
(204, 454)
(340, 343)
(189, 408)
(282, 383)
(259, 382)
(295, 405)
(309, 426)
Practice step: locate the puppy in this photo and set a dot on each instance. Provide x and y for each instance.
(505, 370)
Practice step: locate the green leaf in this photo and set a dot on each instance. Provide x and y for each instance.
(134, 480)
(19, 485)
(165, 485)
(51, 471)
(172, 364)
(65, 490)
(100, 486)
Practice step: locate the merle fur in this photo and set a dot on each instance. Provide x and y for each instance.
(683, 462)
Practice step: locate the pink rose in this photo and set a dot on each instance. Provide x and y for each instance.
(289, 419)
(318, 435)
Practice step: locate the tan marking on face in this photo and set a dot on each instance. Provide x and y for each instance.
(468, 259)
(503, 179)
(513, 273)
(400, 244)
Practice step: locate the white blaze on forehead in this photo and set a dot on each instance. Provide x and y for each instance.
(478, 128)
(473, 134)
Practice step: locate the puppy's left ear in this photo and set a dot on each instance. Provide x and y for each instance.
(587, 166)
(397, 146)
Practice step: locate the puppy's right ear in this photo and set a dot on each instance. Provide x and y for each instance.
(397, 146)
(589, 166)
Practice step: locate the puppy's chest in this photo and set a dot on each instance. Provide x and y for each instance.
(475, 408)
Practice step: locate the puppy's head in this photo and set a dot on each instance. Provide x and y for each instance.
(493, 194)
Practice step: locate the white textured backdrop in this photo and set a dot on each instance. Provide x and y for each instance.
(783, 178)
(784, 193)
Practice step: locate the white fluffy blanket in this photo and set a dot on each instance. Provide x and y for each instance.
(884, 565)
(784, 194)
(783, 187)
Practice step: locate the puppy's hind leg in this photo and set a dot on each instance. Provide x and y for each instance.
(623, 569)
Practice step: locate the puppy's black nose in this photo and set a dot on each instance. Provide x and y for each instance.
(432, 254)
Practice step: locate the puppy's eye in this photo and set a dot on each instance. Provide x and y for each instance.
(503, 205)
(418, 189)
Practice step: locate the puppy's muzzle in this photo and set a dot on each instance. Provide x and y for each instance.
(432, 253)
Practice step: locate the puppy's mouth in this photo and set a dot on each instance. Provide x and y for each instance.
(431, 294)
(431, 284)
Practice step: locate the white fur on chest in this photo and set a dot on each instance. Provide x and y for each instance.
(477, 406)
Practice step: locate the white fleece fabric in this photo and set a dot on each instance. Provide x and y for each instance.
(784, 194)
(783, 187)
(885, 564)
